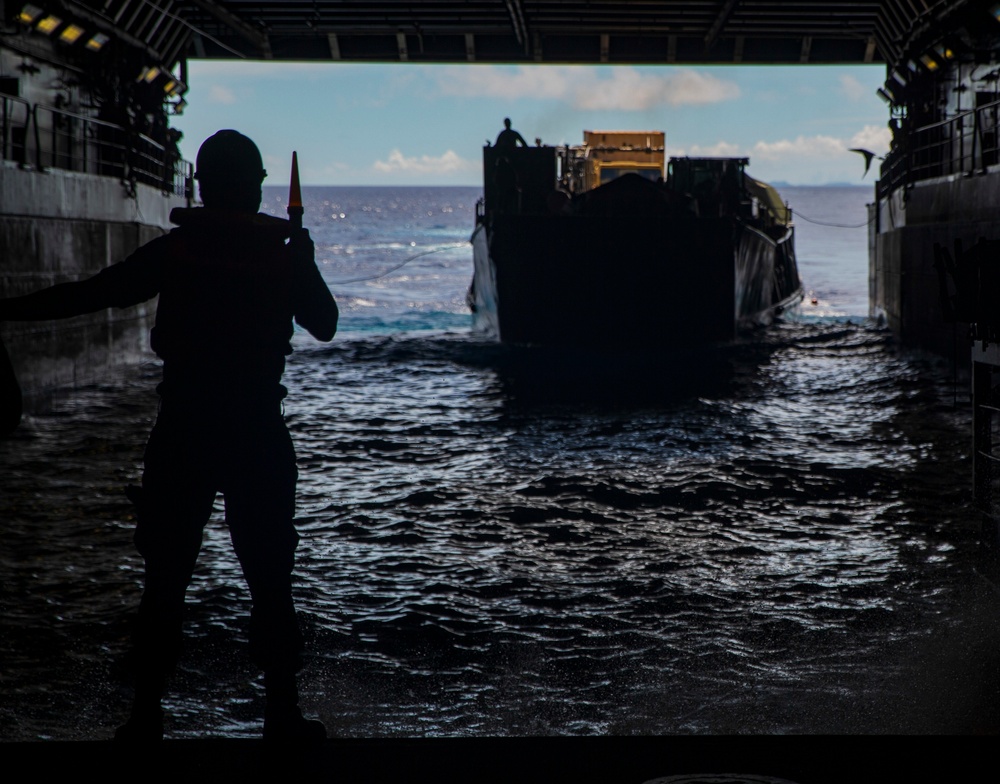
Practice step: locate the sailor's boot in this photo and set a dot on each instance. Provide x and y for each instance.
(145, 722)
(283, 720)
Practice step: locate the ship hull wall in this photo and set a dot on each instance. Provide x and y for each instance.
(905, 226)
(57, 227)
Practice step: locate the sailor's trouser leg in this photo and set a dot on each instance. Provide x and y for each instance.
(173, 508)
(260, 510)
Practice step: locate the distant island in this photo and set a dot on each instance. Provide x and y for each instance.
(779, 184)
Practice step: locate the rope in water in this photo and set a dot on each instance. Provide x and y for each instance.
(868, 222)
(400, 265)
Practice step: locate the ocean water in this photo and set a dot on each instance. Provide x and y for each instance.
(776, 537)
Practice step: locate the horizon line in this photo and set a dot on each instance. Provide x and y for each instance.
(775, 183)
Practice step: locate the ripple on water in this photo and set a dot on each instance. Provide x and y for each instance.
(496, 544)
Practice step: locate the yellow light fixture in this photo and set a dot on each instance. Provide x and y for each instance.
(151, 73)
(944, 52)
(97, 41)
(48, 24)
(174, 86)
(929, 62)
(29, 14)
(71, 34)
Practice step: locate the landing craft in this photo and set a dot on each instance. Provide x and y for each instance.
(591, 247)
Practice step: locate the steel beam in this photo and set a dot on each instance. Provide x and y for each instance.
(251, 34)
(720, 22)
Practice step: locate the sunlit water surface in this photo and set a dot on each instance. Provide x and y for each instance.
(773, 537)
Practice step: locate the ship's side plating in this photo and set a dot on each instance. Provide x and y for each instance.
(89, 170)
(939, 184)
(934, 237)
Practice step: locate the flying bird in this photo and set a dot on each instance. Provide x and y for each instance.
(869, 155)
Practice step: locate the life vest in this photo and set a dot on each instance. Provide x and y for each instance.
(224, 317)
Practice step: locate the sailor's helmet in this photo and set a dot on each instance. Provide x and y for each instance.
(229, 156)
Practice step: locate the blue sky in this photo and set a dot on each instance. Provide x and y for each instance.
(403, 124)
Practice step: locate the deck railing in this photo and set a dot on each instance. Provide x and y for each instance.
(15, 118)
(963, 144)
(47, 137)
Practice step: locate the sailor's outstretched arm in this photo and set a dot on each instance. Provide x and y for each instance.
(120, 285)
(56, 302)
(315, 308)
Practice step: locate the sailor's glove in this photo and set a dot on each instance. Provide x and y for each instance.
(315, 308)
(301, 248)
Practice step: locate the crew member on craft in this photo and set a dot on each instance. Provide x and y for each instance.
(508, 138)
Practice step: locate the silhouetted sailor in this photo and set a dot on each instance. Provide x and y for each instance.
(229, 289)
(508, 138)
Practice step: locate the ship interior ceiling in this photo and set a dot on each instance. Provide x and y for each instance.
(524, 31)
(509, 31)
(107, 40)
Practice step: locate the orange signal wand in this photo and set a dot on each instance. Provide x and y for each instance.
(295, 195)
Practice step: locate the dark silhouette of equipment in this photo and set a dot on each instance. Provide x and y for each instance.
(10, 394)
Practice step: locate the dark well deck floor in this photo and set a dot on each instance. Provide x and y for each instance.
(801, 760)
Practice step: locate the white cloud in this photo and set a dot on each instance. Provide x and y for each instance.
(851, 88)
(336, 168)
(220, 94)
(800, 147)
(448, 163)
(816, 159)
(876, 138)
(624, 89)
(627, 89)
(257, 69)
(493, 82)
(717, 150)
(274, 164)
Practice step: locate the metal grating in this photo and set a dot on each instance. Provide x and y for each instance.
(552, 31)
